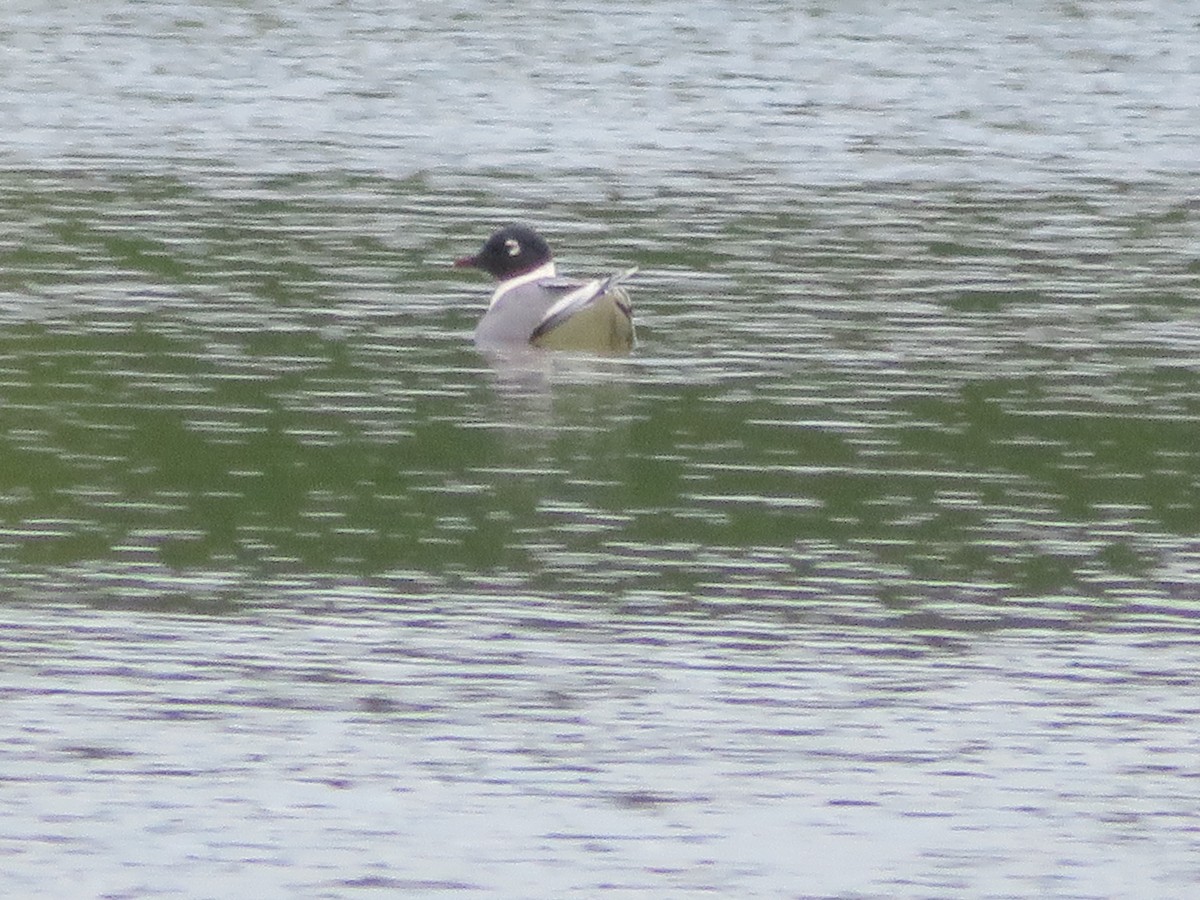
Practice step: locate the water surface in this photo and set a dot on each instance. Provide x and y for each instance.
(873, 571)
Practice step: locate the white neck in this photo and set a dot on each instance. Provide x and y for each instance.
(546, 270)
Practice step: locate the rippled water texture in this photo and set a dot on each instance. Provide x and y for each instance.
(873, 571)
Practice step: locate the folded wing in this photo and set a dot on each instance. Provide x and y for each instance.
(593, 315)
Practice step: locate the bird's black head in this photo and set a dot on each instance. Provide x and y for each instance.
(513, 250)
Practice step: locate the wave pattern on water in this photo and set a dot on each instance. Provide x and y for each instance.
(765, 93)
(340, 740)
(872, 572)
(271, 384)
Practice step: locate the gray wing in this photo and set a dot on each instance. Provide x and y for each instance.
(514, 317)
(583, 295)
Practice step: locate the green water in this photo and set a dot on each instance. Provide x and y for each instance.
(873, 571)
(904, 395)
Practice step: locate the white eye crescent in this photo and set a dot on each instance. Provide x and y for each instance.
(513, 246)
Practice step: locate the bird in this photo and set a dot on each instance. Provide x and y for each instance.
(533, 306)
